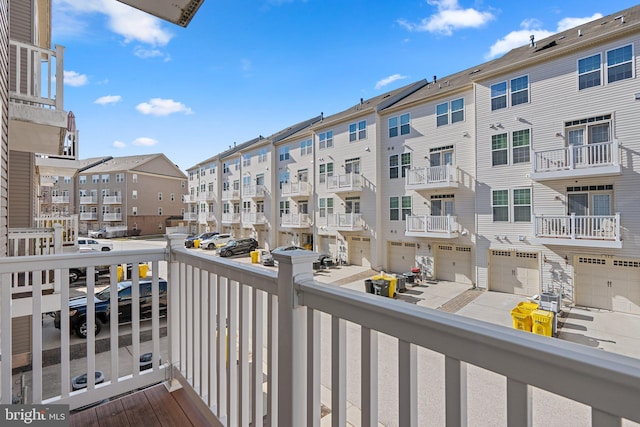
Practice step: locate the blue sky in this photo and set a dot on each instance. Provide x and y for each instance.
(243, 68)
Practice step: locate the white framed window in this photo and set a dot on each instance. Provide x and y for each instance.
(172, 196)
(522, 205)
(262, 155)
(397, 163)
(400, 125)
(457, 110)
(306, 147)
(519, 90)
(284, 207)
(246, 160)
(325, 170)
(105, 178)
(67, 179)
(499, 149)
(358, 131)
(95, 179)
(499, 96)
(183, 184)
(442, 204)
(160, 210)
(442, 114)
(352, 166)
(225, 168)
(589, 71)
(325, 140)
(352, 205)
(134, 178)
(160, 196)
(521, 144)
(399, 205)
(134, 210)
(620, 63)
(210, 187)
(82, 180)
(284, 153)
(119, 177)
(500, 205)
(212, 168)
(326, 206)
(134, 194)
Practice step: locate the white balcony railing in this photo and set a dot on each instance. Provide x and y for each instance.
(578, 230)
(577, 161)
(297, 220)
(431, 226)
(230, 218)
(112, 216)
(190, 216)
(60, 199)
(88, 216)
(281, 326)
(296, 189)
(250, 218)
(231, 195)
(432, 177)
(210, 217)
(88, 200)
(112, 200)
(188, 198)
(37, 75)
(346, 182)
(206, 196)
(69, 227)
(345, 221)
(253, 190)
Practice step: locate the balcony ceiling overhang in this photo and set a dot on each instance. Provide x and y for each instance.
(35, 130)
(48, 166)
(179, 12)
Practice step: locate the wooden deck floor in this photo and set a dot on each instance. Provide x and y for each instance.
(154, 406)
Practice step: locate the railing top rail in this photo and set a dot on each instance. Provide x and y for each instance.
(606, 381)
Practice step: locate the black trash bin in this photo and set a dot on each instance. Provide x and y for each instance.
(381, 287)
(409, 277)
(400, 284)
(316, 265)
(368, 286)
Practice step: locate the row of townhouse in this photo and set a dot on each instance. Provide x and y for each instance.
(140, 194)
(518, 175)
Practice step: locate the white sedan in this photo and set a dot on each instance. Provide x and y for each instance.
(95, 245)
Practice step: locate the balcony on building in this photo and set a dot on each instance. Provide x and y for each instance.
(285, 325)
(88, 216)
(112, 216)
(345, 222)
(344, 183)
(577, 161)
(206, 196)
(253, 218)
(445, 227)
(432, 177)
(255, 191)
(112, 200)
(231, 195)
(592, 231)
(230, 218)
(296, 189)
(210, 217)
(295, 220)
(190, 216)
(88, 200)
(59, 199)
(189, 198)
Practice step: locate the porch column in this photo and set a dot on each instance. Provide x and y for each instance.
(174, 241)
(292, 337)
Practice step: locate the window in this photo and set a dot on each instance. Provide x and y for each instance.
(246, 160)
(83, 179)
(95, 179)
(183, 184)
(521, 145)
(134, 194)
(326, 207)
(499, 149)
(260, 179)
(589, 72)
(400, 125)
(210, 187)
(212, 169)
(457, 110)
(352, 205)
(442, 205)
(284, 153)
(262, 155)
(283, 177)
(358, 131)
(303, 175)
(246, 206)
(325, 140)
(325, 170)
(500, 205)
(236, 164)
(260, 207)
(119, 177)
(520, 90)
(236, 184)
(619, 64)
(225, 186)
(352, 166)
(394, 165)
(172, 196)
(134, 210)
(159, 196)
(394, 208)
(160, 211)
(105, 178)
(306, 147)
(522, 205)
(406, 207)
(134, 178)
(592, 130)
(442, 114)
(498, 96)
(284, 207)
(440, 156)
(67, 179)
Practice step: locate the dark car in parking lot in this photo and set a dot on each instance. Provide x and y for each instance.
(238, 246)
(78, 306)
(189, 242)
(324, 260)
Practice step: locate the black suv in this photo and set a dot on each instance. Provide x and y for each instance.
(78, 306)
(238, 246)
(189, 241)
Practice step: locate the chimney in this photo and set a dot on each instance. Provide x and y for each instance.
(532, 38)
(435, 79)
(361, 101)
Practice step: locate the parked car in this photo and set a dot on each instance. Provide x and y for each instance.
(325, 260)
(98, 234)
(266, 258)
(95, 245)
(190, 241)
(78, 306)
(216, 241)
(238, 246)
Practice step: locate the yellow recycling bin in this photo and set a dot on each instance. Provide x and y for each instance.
(196, 243)
(254, 256)
(119, 273)
(542, 322)
(521, 319)
(143, 269)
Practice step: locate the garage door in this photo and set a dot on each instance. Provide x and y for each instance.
(514, 272)
(327, 245)
(285, 239)
(609, 283)
(401, 257)
(453, 263)
(360, 251)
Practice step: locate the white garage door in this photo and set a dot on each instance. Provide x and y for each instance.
(514, 272)
(285, 238)
(401, 256)
(360, 251)
(453, 263)
(609, 283)
(327, 245)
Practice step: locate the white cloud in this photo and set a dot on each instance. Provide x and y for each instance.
(162, 107)
(108, 99)
(119, 144)
(450, 17)
(533, 27)
(143, 141)
(72, 78)
(144, 53)
(387, 80)
(130, 23)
